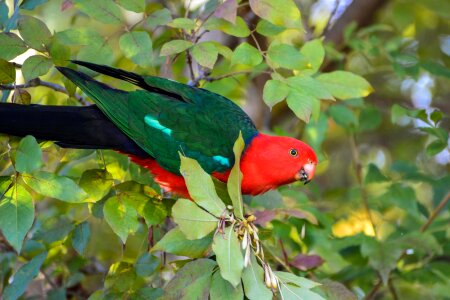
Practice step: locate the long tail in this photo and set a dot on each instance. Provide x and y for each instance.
(69, 126)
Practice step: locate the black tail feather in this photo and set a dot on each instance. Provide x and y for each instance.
(70, 126)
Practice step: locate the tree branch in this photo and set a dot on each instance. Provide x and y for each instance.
(38, 82)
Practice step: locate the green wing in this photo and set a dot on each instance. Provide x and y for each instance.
(167, 117)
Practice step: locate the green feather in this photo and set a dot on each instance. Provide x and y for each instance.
(168, 117)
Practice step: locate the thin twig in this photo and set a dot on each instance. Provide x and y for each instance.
(191, 69)
(392, 289)
(359, 177)
(38, 82)
(329, 23)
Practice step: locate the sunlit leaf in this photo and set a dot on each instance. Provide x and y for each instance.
(16, 215)
(291, 292)
(345, 85)
(297, 280)
(176, 243)
(287, 56)
(314, 53)
(201, 186)
(55, 186)
(96, 183)
(137, 46)
(309, 86)
(205, 54)
(79, 36)
(99, 53)
(174, 47)
(198, 274)
(253, 279)
(247, 55)
(278, 12)
(274, 92)
(235, 178)
(223, 290)
(229, 255)
(23, 277)
(182, 23)
(302, 104)
(28, 155)
(239, 29)
(194, 222)
(158, 18)
(34, 32)
(35, 66)
(121, 216)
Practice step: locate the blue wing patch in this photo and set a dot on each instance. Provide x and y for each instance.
(152, 122)
(221, 160)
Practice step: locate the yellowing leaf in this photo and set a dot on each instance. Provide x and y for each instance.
(246, 54)
(345, 85)
(137, 46)
(278, 12)
(121, 216)
(235, 178)
(174, 47)
(205, 54)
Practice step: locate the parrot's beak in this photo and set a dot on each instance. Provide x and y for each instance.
(306, 173)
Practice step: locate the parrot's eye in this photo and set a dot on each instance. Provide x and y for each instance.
(293, 152)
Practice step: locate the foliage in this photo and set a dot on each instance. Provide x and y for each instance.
(374, 221)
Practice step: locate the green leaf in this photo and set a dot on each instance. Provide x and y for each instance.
(436, 147)
(289, 292)
(59, 53)
(28, 155)
(274, 92)
(55, 186)
(343, 116)
(235, 179)
(382, 256)
(302, 104)
(345, 85)
(34, 32)
(297, 280)
(105, 11)
(174, 47)
(11, 46)
(121, 215)
(194, 222)
(100, 53)
(374, 175)
(137, 46)
(398, 112)
(176, 243)
(309, 86)
(146, 265)
(229, 256)
(96, 183)
(239, 29)
(201, 186)
(436, 116)
(35, 66)
(7, 72)
(401, 196)
(31, 4)
(253, 279)
(159, 18)
(182, 23)
(278, 12)
(133, 5)
(246, 54)
(314, 53)
(153, 211)
(23, 277)
(16, 215)
(369, 118)
(223, 290)
(80, 237)
(436, 68)
(268, 29)
(205, 53)
(287, 56)
(79, 36)
(198, 274)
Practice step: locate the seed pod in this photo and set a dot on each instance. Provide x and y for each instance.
(251, 218)
(245, 240)
(257, 247)
(273, 280)
(255, 235)
(247, 257)
(303, 232)
(267, 279)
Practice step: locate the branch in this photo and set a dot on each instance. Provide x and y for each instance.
(38, 82)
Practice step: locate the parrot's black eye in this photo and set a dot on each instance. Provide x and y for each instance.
(293, 152)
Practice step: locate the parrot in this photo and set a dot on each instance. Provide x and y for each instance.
(157, 121)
